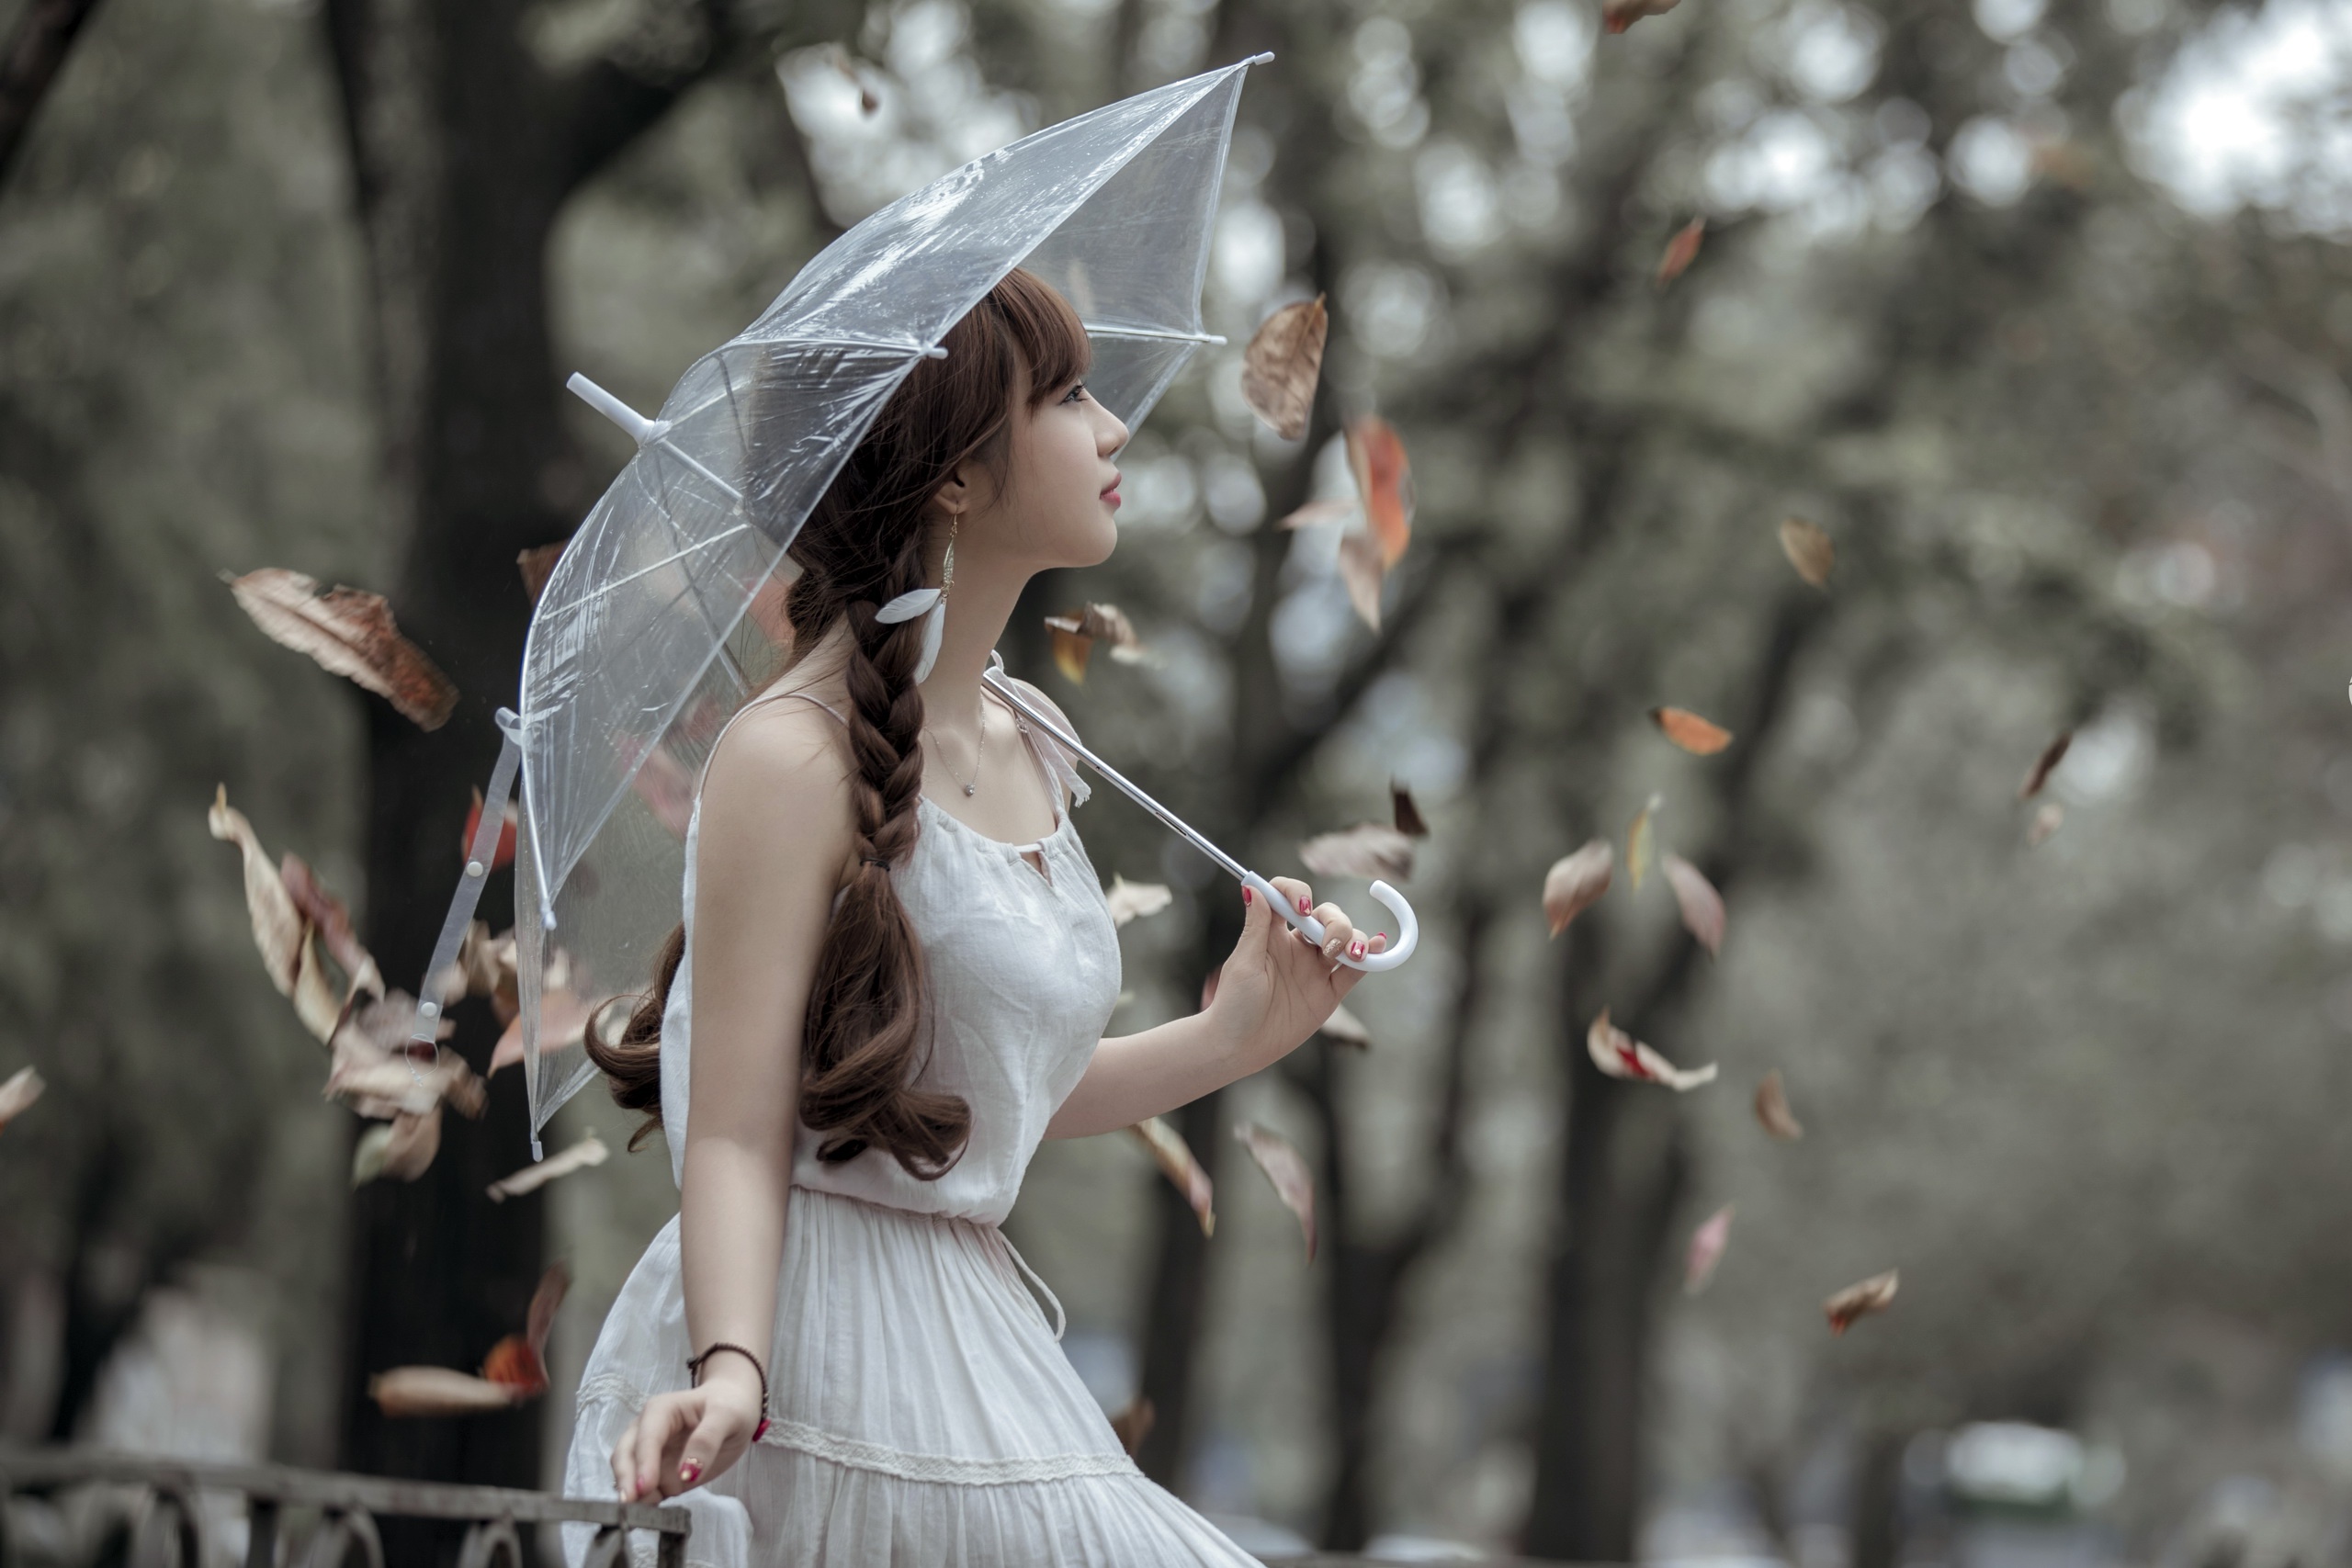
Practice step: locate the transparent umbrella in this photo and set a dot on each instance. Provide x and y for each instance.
(664, 612)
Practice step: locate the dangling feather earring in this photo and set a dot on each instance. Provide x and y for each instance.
(928, 603)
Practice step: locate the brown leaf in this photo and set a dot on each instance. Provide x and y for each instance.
(1408, 814)
(564, 1021)
(514, 1366)
(1701, 906)
(278, 926)
(1133, 900)
(2045, 822)
(1286, 1168)
(1686, 729)
(1134, 1423)
(1809, 550)
(350, 633)
(1860, 1300)
(503, 855)
(1174, 1156)
(1772, 1111)
(487, 963)
(1345, 1028)
(590, 1150)
(332, 921)
(316, 1001)
(18, 1091)
(1638, 836)
(1076, 634)
(402, 1148)
(536, 564)
(1368, 849)
(1360, 569)
(1575, 883)
(1616, 16)
(438, 1391)
(385, 1084)
(1383, 483)
(1280, 368)
(1707, 1244)
(546, 1301)
(1680, 251)
(2038, 774)
(1621, 1056)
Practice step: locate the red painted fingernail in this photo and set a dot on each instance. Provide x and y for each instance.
(690, 1472)
(1355, 950)
(1246, 895)
(1303, 905)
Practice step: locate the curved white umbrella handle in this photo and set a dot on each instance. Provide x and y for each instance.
(1408, 934)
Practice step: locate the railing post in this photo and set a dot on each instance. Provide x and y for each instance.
(261, 1532)
(168, 1520)
(338, 1534)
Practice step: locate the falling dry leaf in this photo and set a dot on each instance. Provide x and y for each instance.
(1772, 1111)
(1859, 1300)
(518, 1362)
(588, 1151)
(1286, 1168)
(438, 1391)
(386, 1084)
(2038, 774)
(1133, 900)
(1347, 1028)
(538, 565)
(1076, 634)
(18, 1093)
(1616, 16)
(1637, 841)
(1686, 729)
(332, 921)
(1576, 882)
(1680, 251)
(1383, 483)
(485, 967)
(1368, 849)
(503, 855)
(278, 926)
(350, 633)
(1707, 1244)
(563, 1022)
(2045, 822)
(1134, 1423)
(1335, 510)
(1621, 1056)
(1280, 367)
(402, 1148)
(1808, 549)
(1362, 574)
(1406, 814)
(1176, 1162)
(1701, 906)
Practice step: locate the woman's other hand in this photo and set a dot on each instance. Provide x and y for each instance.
(1279, 987)
(680, 1440)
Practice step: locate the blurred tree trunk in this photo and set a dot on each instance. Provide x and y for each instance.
(1876, 1528)
(464, 150)
(35, 51)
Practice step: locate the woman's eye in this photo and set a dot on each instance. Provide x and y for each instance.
(1075, 392)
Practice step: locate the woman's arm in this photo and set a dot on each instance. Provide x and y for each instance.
(775, 833)
(1274, 991)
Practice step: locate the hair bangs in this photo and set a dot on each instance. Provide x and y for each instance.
(1045, 329)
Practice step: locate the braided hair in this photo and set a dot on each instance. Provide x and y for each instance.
(864, 1040)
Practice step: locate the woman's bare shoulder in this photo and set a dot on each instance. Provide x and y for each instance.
(781, 773)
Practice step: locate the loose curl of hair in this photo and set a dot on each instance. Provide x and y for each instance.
(863, 1038)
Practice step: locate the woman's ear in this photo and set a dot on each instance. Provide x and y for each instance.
(956, 496)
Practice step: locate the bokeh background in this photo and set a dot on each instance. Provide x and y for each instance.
(2039, 308)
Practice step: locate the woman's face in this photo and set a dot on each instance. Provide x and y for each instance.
(1058, 506)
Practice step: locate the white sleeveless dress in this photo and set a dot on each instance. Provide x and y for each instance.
(923, 1413)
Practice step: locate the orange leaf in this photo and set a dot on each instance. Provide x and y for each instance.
(437, 1391)
(1071, 650)
(1576, 882)
(1808, 549)
(1280, 368)
(1707, 1244)
(1620, 1056)
(351, 634)
(1368, 850)
(1860, 1300)
(1616, 16)
(513, 1366)
(1697, 736)
(1176, 1162)
(1286, 1168)
(1680, 251)
(1701, 906)
(2038, 774)
(1384, 483)
(17, 1092)
(503, 856)
(1772, 1111)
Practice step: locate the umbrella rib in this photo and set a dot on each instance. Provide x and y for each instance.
(648, 570)
(1100, 328)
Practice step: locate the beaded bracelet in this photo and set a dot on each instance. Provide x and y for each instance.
(693, 1371)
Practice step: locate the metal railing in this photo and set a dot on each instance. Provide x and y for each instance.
(155, 1522)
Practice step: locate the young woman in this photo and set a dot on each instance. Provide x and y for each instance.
(899, 965)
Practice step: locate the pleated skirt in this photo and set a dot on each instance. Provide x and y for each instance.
(922, 1413)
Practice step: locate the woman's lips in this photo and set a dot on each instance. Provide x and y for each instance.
(1111, 491)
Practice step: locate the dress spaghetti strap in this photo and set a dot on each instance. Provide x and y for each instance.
(755, 702)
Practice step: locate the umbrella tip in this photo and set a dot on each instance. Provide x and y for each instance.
(936, 351)
(1265, 58)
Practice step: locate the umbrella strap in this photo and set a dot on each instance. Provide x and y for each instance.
(479, 855)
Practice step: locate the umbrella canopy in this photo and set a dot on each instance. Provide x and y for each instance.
(641, 647)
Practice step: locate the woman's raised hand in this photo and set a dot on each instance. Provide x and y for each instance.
(680, 1440)
(1278, 987)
